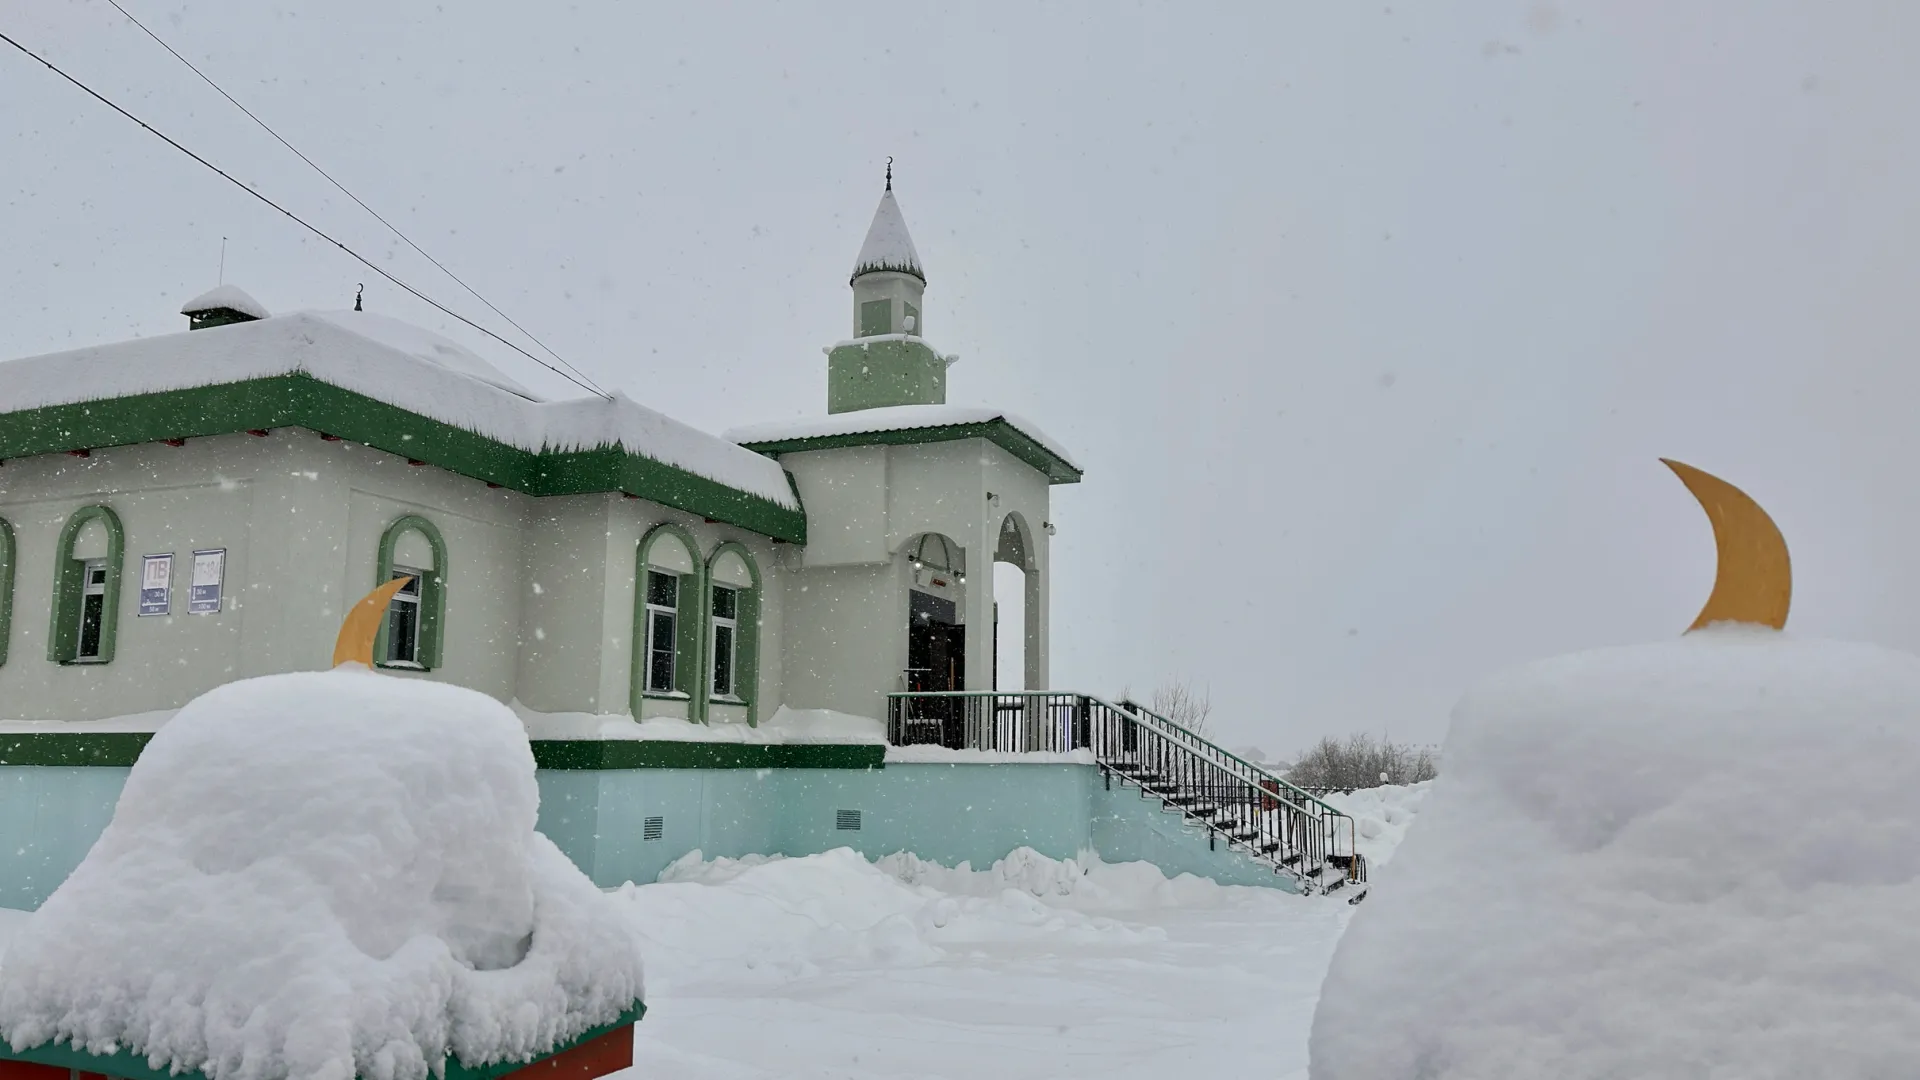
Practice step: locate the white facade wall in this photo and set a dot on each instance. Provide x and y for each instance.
(539, 593)
(865, 505)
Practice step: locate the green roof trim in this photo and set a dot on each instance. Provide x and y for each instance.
(122, 748)
(305, 402)
(998, 432)
(128, 1065)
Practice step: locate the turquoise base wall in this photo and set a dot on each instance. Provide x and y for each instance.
(51, 815)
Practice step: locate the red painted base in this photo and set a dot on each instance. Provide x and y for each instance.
(590, 1060)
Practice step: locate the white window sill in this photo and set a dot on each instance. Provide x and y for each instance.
(727, 699)
(666, 695)
(402, 665)
(86, 660)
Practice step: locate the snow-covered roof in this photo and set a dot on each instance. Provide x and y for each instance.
(392, 362)
(425, 345)
(888, 247)
(895, 418)
(232, 297)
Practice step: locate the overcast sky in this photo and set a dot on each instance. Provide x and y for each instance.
(1367, 322)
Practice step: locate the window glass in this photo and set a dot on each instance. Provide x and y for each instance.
(93, 611)
(723, 659)
(663, 590)
(403, 619)
(660, 640)
(725, 602)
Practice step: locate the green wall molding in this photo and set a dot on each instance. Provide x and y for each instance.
(688, 621)
(306, 402)
(69, 587)
(433, 591)
(746, 647)
(131, 1065)
(615, 754)
(7, 548)
(120, 749)
(998, 432)
(117, 749)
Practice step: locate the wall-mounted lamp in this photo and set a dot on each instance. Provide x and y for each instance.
(992, 498)
(1048, 525)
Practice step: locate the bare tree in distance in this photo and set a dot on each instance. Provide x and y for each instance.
(1362, 761)
(1179, 702)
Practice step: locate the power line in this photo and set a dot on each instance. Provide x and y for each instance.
(391, 227)
(579, 381)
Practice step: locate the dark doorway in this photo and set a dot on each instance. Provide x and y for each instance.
(937, 662)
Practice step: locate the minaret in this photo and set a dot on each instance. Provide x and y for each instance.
(887, 362)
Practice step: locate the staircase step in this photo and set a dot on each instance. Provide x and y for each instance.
(1268, 849)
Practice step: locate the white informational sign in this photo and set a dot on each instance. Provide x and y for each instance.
(156, 584)
(209, 573)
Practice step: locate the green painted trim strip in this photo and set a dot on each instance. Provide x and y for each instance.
(303, 401)
(121, 749)
(102, 748)
(664, 754)
(7, 547)
(132, 1066)
(998, 432)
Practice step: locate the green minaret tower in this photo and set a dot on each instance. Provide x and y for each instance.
(888, 362)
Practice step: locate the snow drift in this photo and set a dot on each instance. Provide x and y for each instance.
(1691, 859)
(323, 875)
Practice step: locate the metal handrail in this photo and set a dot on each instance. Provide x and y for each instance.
(1212, 787)
(1265, 772)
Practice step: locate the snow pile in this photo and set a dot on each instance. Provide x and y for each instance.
(1689, 859)
(1381, 816)
(786, 918)
(231, 297)
(324, 875)
(784, 726)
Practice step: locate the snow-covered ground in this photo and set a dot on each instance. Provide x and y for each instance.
(832, 966)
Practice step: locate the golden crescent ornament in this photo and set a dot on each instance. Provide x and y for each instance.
(1754, 581)
(362, 624)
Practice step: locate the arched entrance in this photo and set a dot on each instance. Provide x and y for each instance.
(936, 614)
(1016, 612)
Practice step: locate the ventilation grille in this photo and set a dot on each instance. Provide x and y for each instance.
(653, 828)
(846, 820)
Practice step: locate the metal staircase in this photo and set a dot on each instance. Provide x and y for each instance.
(1217, 793)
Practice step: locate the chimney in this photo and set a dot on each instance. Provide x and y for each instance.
(220, 306)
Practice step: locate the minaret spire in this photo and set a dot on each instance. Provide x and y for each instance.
(888, 361)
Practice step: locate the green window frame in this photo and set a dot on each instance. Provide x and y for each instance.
(6, 586)
(745, 672)
(70, 590)
(876, 318)
(426, 607)
(689, 617)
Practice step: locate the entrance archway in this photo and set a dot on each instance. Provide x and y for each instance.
(1016, 610)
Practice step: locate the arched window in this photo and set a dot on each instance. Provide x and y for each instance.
(733, 634)
(6, 586)
(415, 631)
(86, 588)
(668, 610)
